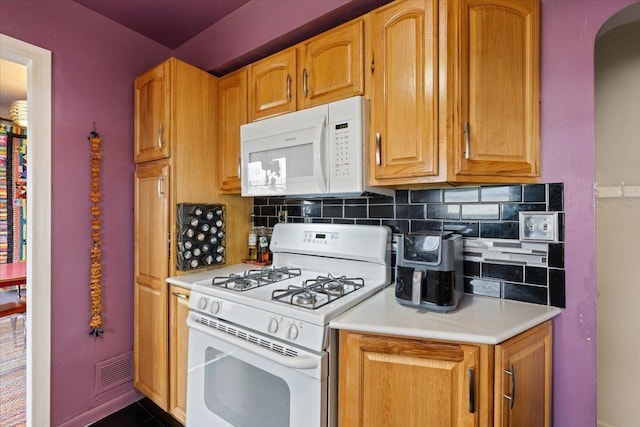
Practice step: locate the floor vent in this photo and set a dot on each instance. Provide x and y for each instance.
(113, 372)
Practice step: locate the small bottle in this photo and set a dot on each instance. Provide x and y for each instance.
(253, 241)
(263, 245)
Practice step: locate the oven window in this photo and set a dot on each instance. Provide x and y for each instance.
(245, 396)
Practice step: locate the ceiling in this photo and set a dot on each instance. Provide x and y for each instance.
(169, 22)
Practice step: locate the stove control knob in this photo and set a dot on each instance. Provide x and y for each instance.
(214, 307)
(202, 303)
(293, 332)
(273, 325)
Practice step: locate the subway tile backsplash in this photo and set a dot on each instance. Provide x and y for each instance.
(496, 263)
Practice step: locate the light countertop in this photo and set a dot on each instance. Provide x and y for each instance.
(478, 319)
(186, 280)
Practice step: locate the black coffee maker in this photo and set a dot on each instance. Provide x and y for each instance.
(429, 272)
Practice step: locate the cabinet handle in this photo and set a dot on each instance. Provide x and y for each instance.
(288, 87)
(160, 192)
(160, 130)
(239, 162)
(511, 398)
(304, 82)
(467, 141)
(378, 148)
(471, 374)
(179, 295)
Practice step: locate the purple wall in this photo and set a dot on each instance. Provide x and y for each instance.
(94, 62)
(569, 28)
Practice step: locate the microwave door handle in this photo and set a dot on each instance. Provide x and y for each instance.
(318, 148)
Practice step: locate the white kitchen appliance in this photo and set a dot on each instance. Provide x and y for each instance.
(260, 352)
(318, 151)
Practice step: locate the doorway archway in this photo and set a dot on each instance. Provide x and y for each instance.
(617, 106)
(38, 63)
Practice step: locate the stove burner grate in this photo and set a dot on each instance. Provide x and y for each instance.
(255, 278)
(315, 293)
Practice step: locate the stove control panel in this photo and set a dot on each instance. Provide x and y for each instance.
(300, 332)
(283, 328)
(324, 238)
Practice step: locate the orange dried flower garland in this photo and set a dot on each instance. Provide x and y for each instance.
(95, 283)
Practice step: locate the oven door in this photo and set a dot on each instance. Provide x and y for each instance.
(236, 379)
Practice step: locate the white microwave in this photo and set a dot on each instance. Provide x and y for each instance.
(319, 151)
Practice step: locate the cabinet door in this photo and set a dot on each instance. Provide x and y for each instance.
(152, 109)
(151, 294)
(388, 381)
(523, 379)
(232, 112)
(178, 351)
(404, 99)
(332, 65)
(273, 85)
(497, 133)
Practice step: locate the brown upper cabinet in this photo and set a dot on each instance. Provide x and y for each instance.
(273, 85)
(493, 102)
(455, 92)
(152, 104)
(332, 65)
(322, 69)
(404, 101)
(232, 112)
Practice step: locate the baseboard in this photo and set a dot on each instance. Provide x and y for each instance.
(107, 408)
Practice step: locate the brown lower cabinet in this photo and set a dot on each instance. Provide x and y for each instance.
(402, 381)
(178, 351)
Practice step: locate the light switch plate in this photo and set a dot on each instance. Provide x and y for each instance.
(539, 226)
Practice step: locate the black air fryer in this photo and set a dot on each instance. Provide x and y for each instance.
(429, 271)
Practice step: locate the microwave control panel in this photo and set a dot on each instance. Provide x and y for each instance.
(342, 154)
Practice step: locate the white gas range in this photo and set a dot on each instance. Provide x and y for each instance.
(259, 341)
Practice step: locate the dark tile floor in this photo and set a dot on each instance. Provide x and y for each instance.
(142, 413)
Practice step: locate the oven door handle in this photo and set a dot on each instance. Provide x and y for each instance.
(298, 362)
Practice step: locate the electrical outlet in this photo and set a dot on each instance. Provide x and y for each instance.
(539, 226)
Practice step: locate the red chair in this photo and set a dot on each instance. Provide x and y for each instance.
(12, 303)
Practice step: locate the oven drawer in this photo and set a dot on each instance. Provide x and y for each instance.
(234, 381)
